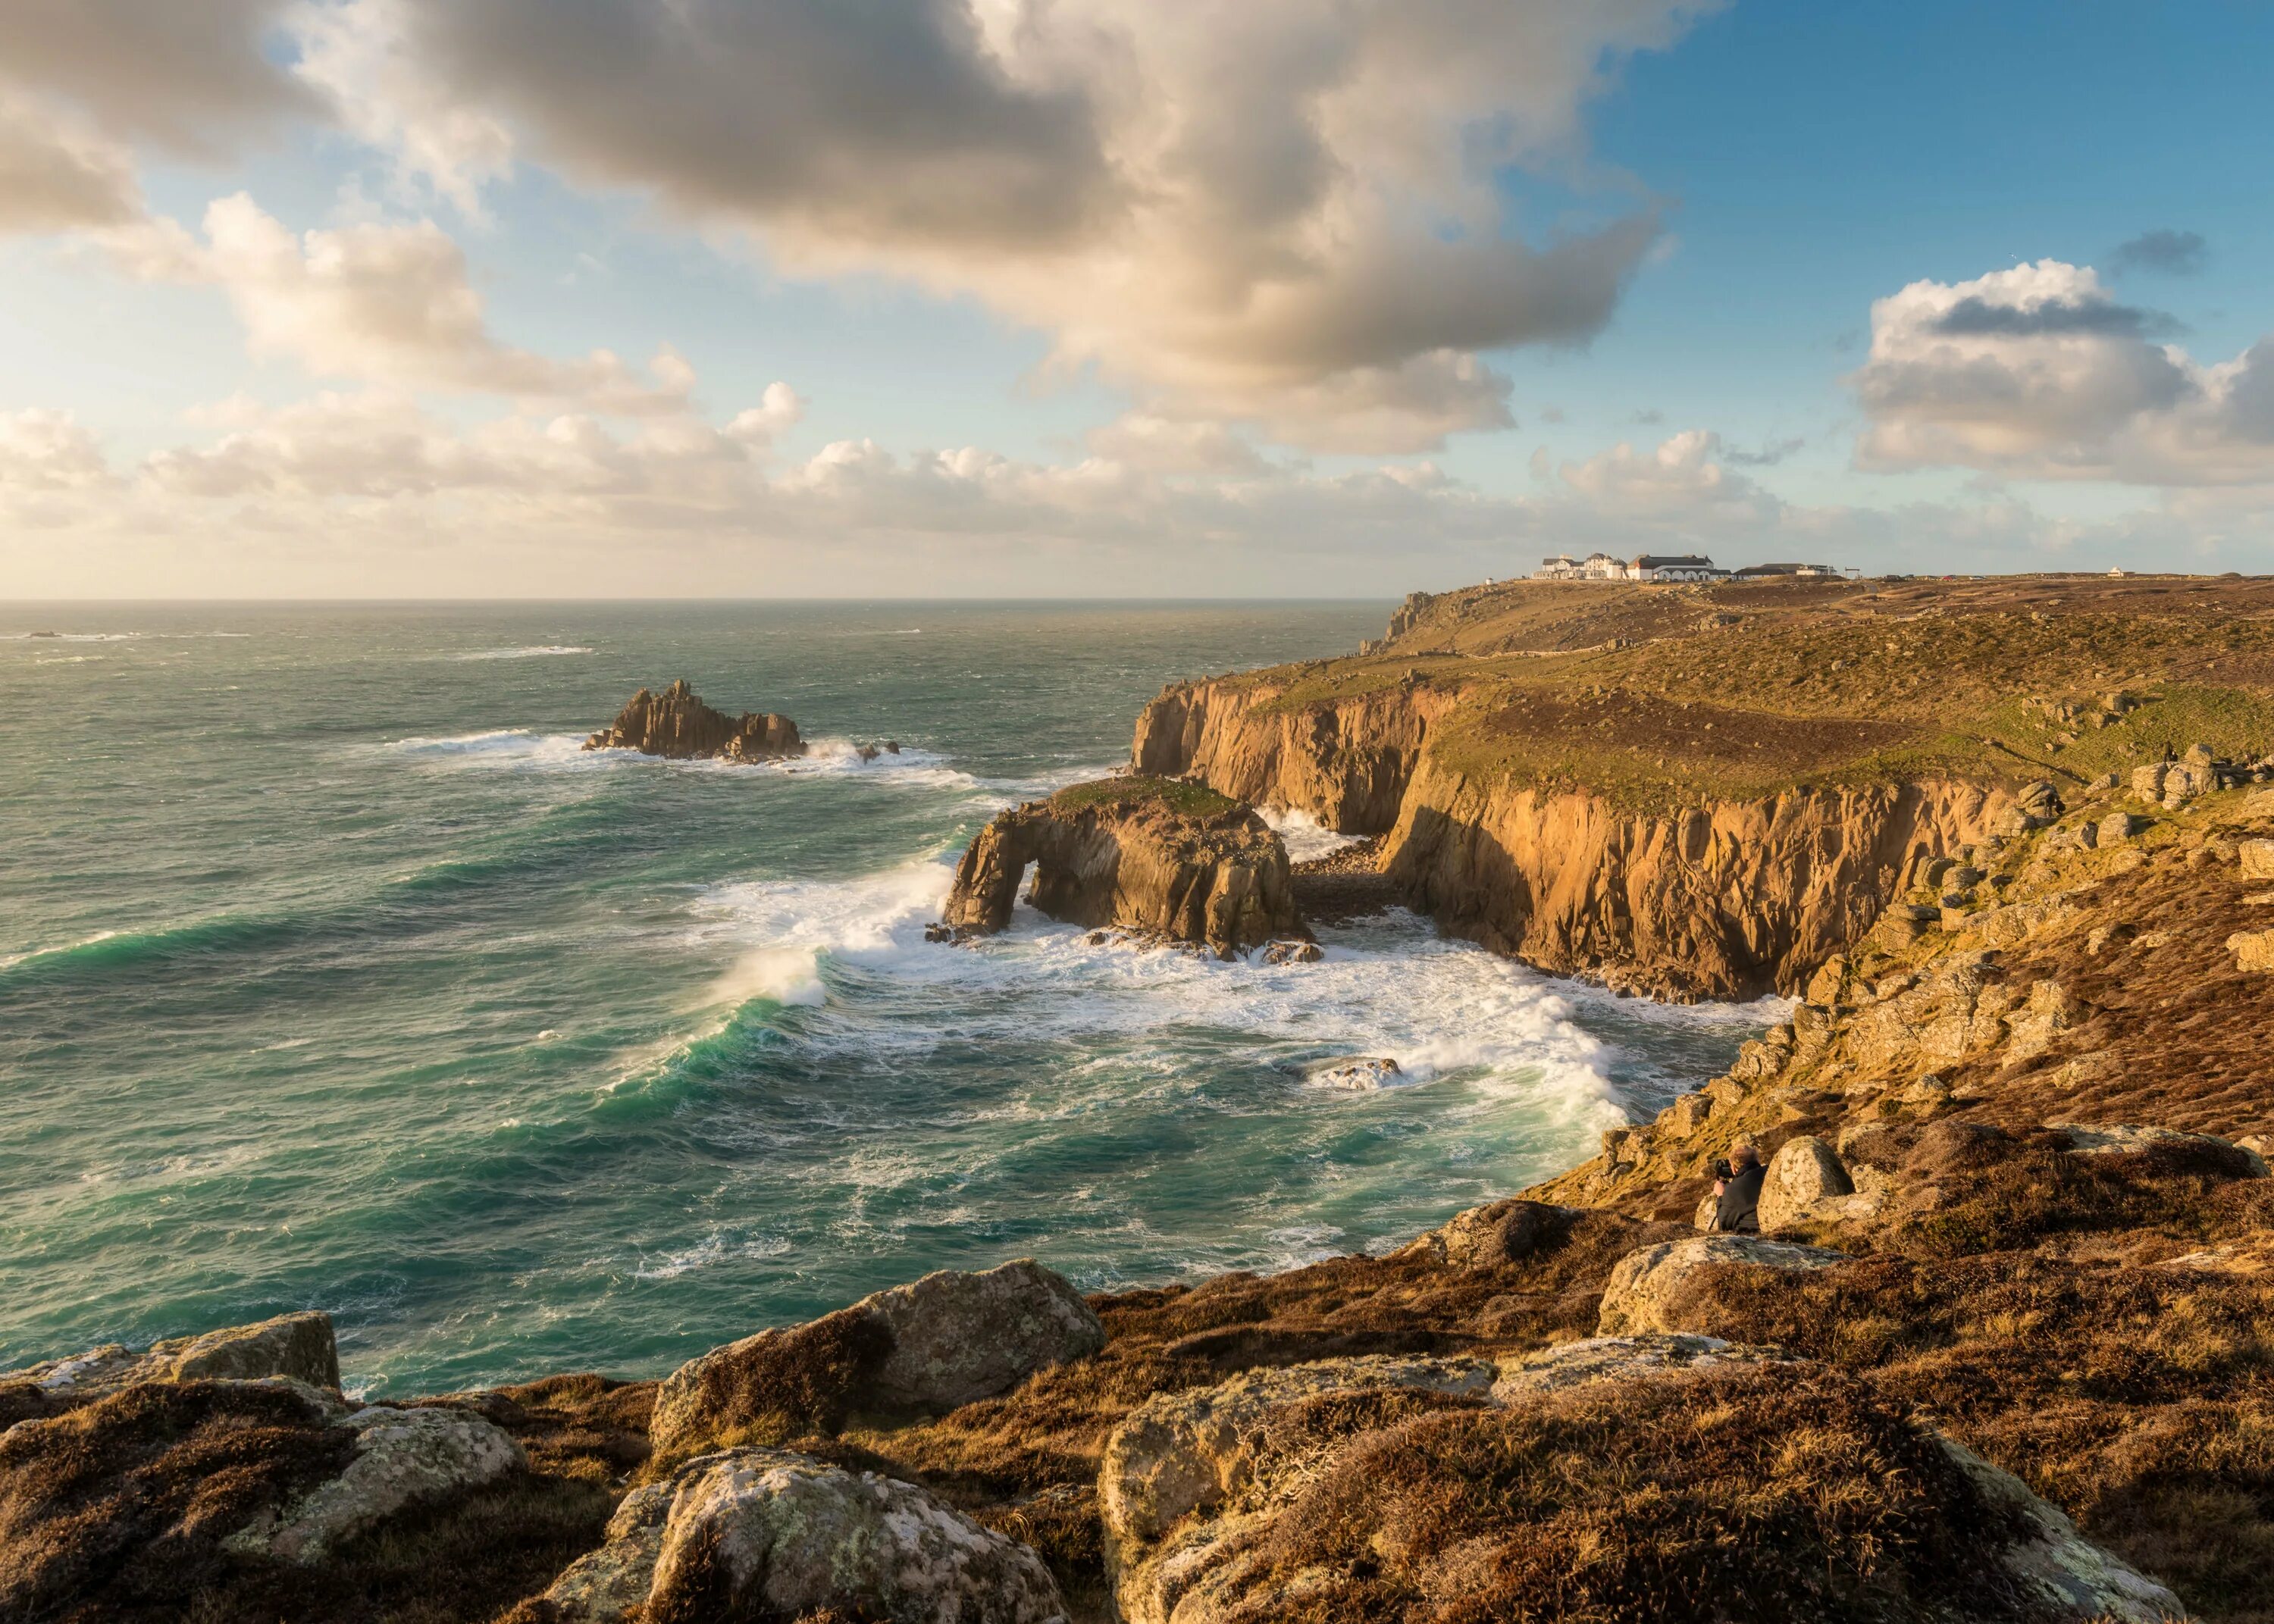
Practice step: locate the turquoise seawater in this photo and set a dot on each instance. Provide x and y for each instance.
(334, 974)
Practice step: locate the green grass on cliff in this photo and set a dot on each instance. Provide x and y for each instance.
(1190, 799)
(1660, 698)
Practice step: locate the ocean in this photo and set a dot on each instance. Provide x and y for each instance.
(335, 974)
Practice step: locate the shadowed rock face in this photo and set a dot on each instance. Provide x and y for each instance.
(676, 724)
(1217, 877)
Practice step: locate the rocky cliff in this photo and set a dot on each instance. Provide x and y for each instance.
(1694, 792)
(676, 724)
(1138, 853)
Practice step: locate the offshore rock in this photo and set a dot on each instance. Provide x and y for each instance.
(677, 725)
(769, 1534)
(300, 1346)
(1162, 859)
(946, 1340)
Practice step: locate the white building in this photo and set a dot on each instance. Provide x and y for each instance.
(1679, 566)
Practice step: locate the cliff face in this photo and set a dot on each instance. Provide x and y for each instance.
(676, 724)
(1216, 876)
(1731, 900)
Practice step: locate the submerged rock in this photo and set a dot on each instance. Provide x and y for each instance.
(676, 724)
(1161, 858)
(947, 1340)
(1364, 1072)
(768, 1534)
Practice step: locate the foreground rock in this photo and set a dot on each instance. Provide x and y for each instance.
(1427, 1489)
(1642, 1291)
(1150, 855)
(402, 1457)
(946, 1340)
(300, 1346)
(769, 1534)
(676, 724)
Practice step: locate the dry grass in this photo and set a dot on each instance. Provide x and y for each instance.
(1756, 1495)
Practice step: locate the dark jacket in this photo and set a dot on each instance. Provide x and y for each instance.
(1741, 1197)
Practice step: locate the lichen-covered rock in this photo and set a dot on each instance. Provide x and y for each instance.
(605, 1583)
(1502, 1232)
(947, 1340)
(1805, 1171)
(2253, 949)
(1643, 1284)
(2072, 1578)
(677, 725)
(299, 1346)
(766, 1534)
(1181, 1453)
(2123, 1138)
(402, 1457)
(1381, 1487)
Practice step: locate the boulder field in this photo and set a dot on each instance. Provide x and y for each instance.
(1156, 858)
(677, 725)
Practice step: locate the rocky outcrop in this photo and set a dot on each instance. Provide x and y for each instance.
(948, 1339)
(1160, 860)
(769, 1534)
(300, 1346)
(1435, 1488)
(1803, 1174)
(1642, 1292)
(1727, 900)
(403, 1457)
(676, 724)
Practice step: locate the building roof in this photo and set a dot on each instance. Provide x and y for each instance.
(1683, 561)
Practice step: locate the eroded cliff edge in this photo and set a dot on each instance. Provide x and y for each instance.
(1701, 793)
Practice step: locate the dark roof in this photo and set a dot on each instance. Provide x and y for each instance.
(1690, 561)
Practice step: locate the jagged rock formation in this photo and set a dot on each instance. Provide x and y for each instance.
(676, 724)
(946, 1340)
(1141, 854)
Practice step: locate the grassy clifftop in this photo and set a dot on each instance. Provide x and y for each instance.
(1656, 696)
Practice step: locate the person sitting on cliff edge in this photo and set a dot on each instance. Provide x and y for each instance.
(1737, 1193)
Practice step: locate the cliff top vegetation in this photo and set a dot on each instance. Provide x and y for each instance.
(1139, 788)
(1659, 695)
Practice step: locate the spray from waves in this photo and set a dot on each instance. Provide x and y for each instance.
(1306, 838)
(544, 650)
(1440, 1010)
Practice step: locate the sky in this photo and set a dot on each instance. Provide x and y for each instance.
(463, 298)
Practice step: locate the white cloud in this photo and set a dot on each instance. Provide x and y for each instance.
(48, 451)
(2039, 372)
(1282, 213)
(379, 303)
(359, 56)
(1682, 483)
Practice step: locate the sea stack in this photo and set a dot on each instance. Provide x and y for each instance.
(1150, 855)
(677, 724)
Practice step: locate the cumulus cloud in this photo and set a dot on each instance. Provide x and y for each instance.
(1682, 482)
(2172, 253)
(1282, 215)
(48, 451)
(380, 303)
(2037, 372)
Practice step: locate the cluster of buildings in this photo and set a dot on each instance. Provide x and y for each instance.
(1656, 566)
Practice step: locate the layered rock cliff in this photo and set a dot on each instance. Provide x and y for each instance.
(1698, 792)
(1141, 854)
(676, 724)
